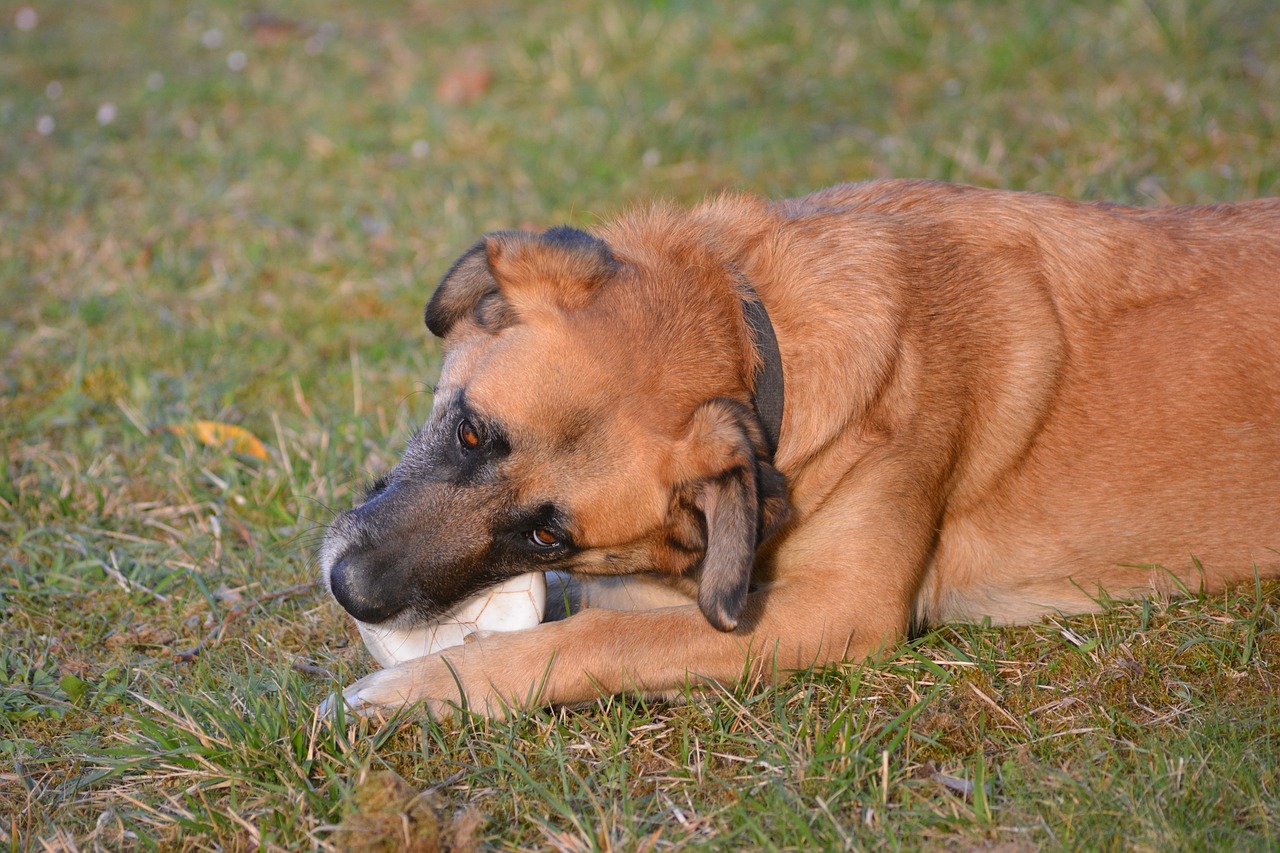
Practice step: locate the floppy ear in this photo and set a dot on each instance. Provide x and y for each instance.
(729, 505)
(743, 499)
(563, 265)
(469, 288)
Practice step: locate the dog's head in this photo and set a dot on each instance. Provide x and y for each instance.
(591, 416)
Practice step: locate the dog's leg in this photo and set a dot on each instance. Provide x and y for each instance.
(844, 587)
(600, 652)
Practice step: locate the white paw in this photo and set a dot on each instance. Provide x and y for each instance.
(374, 693)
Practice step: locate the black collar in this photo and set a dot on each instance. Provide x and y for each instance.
(767, 397)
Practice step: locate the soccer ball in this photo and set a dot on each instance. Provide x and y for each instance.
(510, 606)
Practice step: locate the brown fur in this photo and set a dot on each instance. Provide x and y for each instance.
(998, 405)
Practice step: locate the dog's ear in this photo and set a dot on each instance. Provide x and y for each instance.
(742, 497)
(729, 505)
(583, 259)
(470, 288)
(563, 264)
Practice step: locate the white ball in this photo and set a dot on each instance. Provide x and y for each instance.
(510, 606)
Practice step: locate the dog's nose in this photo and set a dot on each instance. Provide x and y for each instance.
(354, 587)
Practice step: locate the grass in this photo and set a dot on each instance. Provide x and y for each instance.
(247, 235)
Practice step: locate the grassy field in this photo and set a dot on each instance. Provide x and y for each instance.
(213, 216)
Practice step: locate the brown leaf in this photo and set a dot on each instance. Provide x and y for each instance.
(140, 635)
(227, 595)
(267, 28)
(216, 434)
(464, 84)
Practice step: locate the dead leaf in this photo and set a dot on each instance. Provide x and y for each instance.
(228, 436)
(140, 635)
(955, 783)
(463, 84)
(227, 595)
(268, 28)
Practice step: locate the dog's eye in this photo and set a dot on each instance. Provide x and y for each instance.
(468, 437)
(543, 537)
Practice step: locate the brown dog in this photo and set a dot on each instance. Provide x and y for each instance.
(996, 405)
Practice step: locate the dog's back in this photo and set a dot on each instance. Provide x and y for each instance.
(1106, 378)
(1157, 459)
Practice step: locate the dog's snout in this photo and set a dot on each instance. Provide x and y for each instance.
(413, 549)
(355, 588)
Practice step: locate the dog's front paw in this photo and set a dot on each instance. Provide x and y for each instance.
(395, 688)
(356, 701)
(440, 686)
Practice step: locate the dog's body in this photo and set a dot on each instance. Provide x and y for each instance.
(998, 405)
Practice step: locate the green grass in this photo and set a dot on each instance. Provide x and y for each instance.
(254, 247)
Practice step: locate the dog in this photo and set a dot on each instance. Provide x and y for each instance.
(783, 434)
